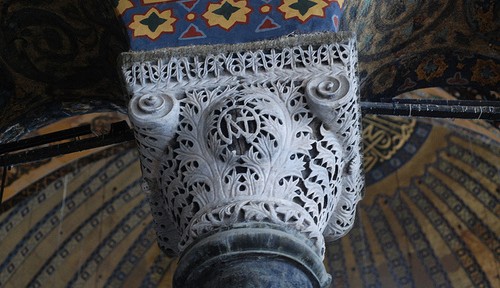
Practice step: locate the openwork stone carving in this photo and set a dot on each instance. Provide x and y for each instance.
(264, 132)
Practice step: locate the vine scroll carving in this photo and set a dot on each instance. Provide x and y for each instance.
(262, 132)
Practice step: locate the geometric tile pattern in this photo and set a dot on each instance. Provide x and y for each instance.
(153, 24)
(409, 45)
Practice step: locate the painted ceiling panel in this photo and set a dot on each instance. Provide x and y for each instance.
(429, 216)
(430, 213)
(159, 24)
(58, 58)
(406, 45)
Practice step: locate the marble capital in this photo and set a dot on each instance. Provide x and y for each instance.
(245, 134)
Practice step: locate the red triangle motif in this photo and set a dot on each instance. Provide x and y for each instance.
(267, 24)
(192, 32)
(189, 4)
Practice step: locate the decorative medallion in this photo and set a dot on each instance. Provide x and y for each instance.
(303, 10)
(383, 137)
(122, 6)
(431, 68)
(486, 72)
(227, 13)
(153, 23)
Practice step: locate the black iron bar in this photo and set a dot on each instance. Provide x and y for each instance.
(444, 102)
(431, 110)
(4, 180)
(45, 139)
(118, 134)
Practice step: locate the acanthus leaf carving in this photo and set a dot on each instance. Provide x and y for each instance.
(265, 135)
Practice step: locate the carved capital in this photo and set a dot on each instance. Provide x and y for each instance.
(265, 132)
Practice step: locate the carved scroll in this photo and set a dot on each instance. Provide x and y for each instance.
(269, 133)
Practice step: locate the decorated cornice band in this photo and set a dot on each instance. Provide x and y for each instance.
(153, 24)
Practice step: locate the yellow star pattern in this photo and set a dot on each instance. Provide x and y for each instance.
(141, 29)
(316, 10)
(240, 14)
(157, 1)
(486, 72)
(122, 6)
(340, 2)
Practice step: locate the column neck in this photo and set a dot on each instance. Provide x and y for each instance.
(251, 257)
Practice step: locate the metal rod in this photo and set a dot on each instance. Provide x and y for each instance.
(4, 180)
(443, 102)
(117, 135)
(45, 139)
(120, 132)
(431, 110)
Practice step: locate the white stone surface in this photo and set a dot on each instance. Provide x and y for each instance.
(265, 135)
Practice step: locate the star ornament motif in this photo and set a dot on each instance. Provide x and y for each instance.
(153, 23)
(340, 2)
(303, 10)
(227, 13)
(122, 6)
(157, 1)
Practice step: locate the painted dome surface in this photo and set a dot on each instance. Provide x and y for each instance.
(408, 45)
(429, 217)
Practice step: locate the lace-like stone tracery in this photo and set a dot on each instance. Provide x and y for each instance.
(256, 135)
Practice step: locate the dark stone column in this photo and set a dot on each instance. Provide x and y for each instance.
(251, 257)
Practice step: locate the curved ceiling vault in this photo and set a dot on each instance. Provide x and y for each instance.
(429, 216)
(430, 212)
